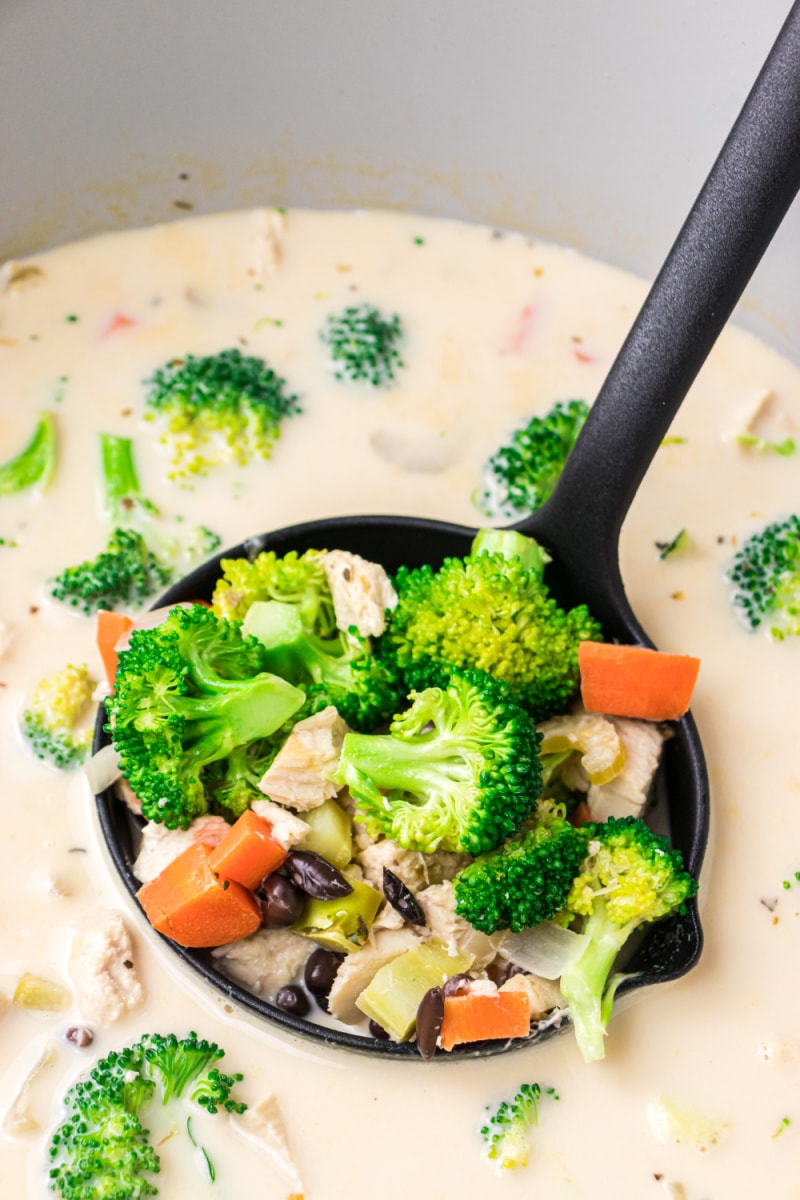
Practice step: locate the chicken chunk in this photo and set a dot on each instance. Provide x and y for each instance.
(358, 970)
(286, 827)
(160, 846)
(408, 865)
(544, 994)
(439, 905)
(102, 970)
(361, 592)
(264, 962)
(626, 794)
(263, 1124)
(302, 773)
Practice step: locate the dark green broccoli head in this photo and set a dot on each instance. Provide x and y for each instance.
(297, 579)
(765, 574)
(124, 575)
(630, 877)
(491, 613)
(101, 1150)
(339, 670)
(525, 881)
(521, 475)
(224, 407)
(459, 769)
(187, 695)
(363, 344)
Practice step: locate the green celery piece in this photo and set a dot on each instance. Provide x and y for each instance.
(35, 463)
(331, 833)
(342, 924)
(396, 990)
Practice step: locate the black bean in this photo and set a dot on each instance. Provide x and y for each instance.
(281, 902)
(430, 1015)
(378, 1032)
(80, 1036)
(455, 983)
(293, 999)
(320, 970)
(315, 876)
(401, 898)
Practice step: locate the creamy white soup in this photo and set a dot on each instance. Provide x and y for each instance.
(699, 1093)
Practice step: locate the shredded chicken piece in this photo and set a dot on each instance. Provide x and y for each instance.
(361, 592)
(302, 773)
(359, 968)
(286, 827)
(445, 864)
(128, 796)
(408, 865)
(18, 1119)
(626, 794)
(160, 846)
(264, 962)
(103, 972)
(439, 905)
(544, 994)
(263, 1124)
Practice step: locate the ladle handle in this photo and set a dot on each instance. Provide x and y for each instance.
(736, 214)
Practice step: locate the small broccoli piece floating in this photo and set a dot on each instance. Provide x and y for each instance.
(525, 881)
(339, 670)
(297, 579)
(35, 463)
(363, 345)
(766, 578)
(459, 770)
(224, 407)
(52, 722)
(506, 1135)
(491, 612)
(191, 693)
(139, 559)
(520, 476)
(101, 1150)
(629, 878)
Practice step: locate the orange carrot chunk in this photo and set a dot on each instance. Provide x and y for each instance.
(194, 907)
(248, 851)
(479, 1017)
(632, 681)
(117, 323)
(110, 628)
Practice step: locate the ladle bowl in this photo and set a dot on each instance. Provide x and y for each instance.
(744, 199)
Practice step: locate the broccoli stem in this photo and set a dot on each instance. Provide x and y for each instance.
(250, 709)
(120, 478)
(584, 980)
(414, 766)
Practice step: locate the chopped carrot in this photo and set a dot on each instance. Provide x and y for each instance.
(582, 357)
(110, 628)
(117, 323)
(190, 903)
(632, 681)
(248, 851)
(483, 1017)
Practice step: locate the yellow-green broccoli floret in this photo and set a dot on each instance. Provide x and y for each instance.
(506, 1134)
(526, 880)
(458, 770)
(521, 475)
(363, 344)
(765, 574)
(53, 721)
(491, 612)
(35, 463)
(101, 1150)
(297, 579)
(630, 877)
(223, 407)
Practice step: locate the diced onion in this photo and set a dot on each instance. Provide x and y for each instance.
(102, 769)
(545, 950)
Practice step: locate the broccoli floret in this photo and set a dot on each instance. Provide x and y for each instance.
(52, 722)
(189, 693)
(630, 877)
(35, 463)
(363, 344)
(459, 769)
(297, 579)
(339, 670)
(506, 1135)
(525, 881)
(139, 559)
(520, 476)
(101, 1150)
(494, 613)
(224, 407)
(766, 578)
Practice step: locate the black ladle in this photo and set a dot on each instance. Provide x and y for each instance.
(740, 207)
